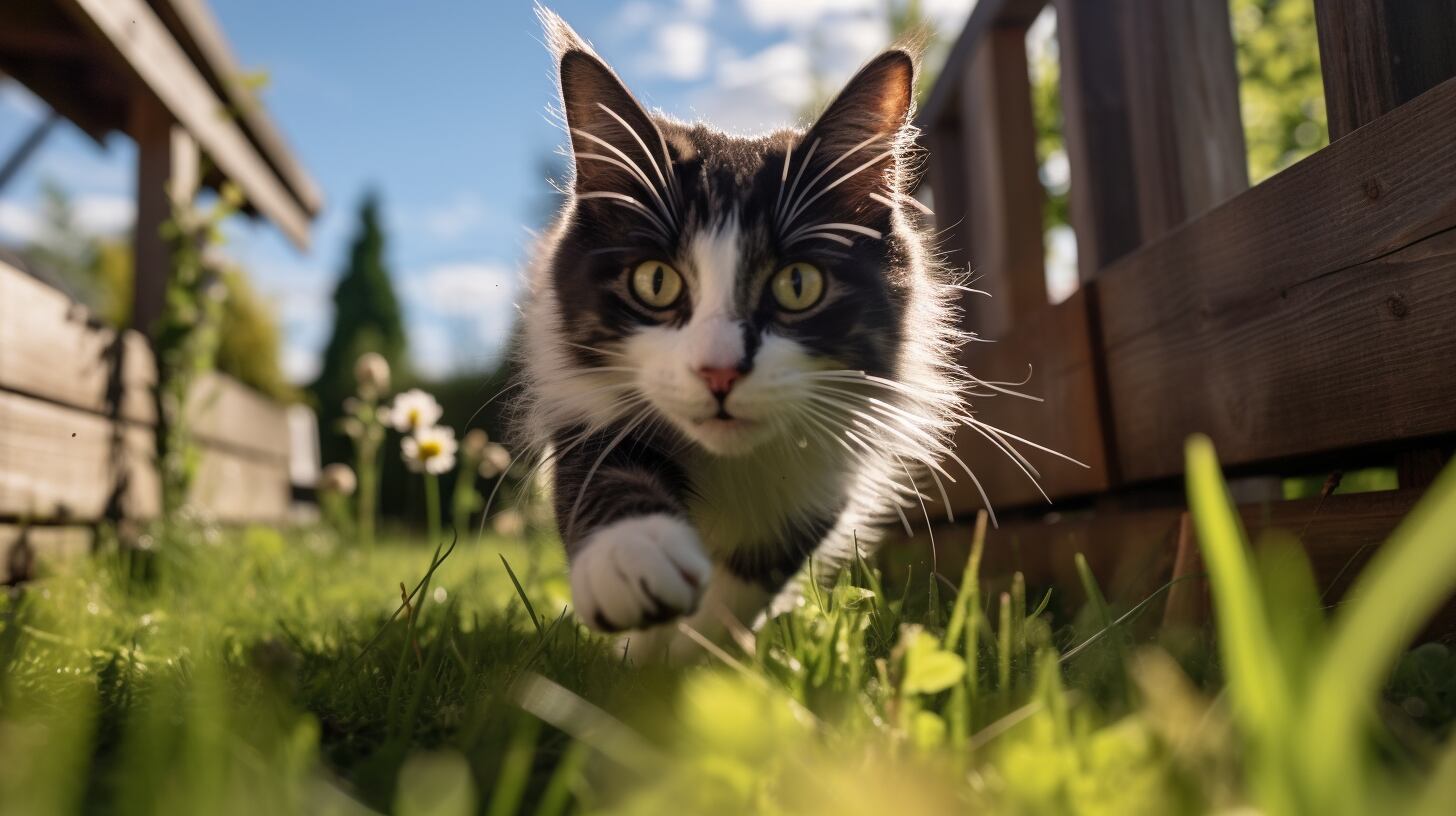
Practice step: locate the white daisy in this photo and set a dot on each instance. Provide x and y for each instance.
(412, 411)
(430, 450)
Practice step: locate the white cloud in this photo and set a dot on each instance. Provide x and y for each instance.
(465, 289)
(698, 8)
(18, 224)
(18, 100)
(761, 91)
(802, 13)
(679, 51)
(464, 213)
(100, 214)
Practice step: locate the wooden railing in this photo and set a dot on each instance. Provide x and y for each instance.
(77, 431)
(1303, 323)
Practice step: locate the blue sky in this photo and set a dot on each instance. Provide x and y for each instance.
(440, 105)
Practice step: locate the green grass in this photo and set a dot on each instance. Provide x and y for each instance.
(260, 672)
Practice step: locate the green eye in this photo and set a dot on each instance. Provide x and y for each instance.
(656, 284)
(797, 286)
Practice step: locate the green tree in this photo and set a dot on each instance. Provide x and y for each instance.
(366, 318)
(250, 346)
(1281, 90)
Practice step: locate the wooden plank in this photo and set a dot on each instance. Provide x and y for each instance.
(52, 348)
(234, 487)
(1053, 344)
(225, 413)
(1339, 534)
(1281, 336)
(1104, 203)
(1379, 54)
(167, 175)
(61, 463)
(947, 145)
(1005, 194)
(154, 57)
(986, 15)
(30, 552)
(1188, 148)
(1359, 357)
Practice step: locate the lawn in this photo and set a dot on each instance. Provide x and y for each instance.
(257, 671)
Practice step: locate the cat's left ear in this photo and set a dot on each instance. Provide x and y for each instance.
(871, 116)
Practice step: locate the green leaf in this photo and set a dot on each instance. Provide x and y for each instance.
(928, 668)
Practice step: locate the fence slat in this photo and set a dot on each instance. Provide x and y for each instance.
(1379, 54)
(52, 348)
(1005, 196)
(1054, 345)
(223, 412)
(1104, 205)
(1187, 134)
(58, 462)
(27, 551)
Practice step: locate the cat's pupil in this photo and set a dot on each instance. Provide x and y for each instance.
(657, 280)
(797, 279)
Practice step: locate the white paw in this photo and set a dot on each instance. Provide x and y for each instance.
(638, 572)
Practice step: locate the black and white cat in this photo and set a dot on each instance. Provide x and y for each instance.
(739, 352)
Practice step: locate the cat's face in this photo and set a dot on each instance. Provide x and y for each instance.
(716, 283)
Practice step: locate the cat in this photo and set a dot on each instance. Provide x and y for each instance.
(739, 353)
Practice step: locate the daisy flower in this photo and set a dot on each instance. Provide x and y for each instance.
(430, 450)
(414, 410)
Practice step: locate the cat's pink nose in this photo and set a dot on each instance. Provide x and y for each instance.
(720, 380)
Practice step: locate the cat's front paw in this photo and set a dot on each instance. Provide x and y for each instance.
(638, 572)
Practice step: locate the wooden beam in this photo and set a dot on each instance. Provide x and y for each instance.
(1309, 313)
(947, 145)
(53, 350)
(1379, 54)
(1188, 148)
(1005, 194)
(154, 57)
(986, 15)
(1051, 349)
(167, 175)
(1104, 203)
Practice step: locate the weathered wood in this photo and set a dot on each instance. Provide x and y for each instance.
(1294, 324)
(1339, 535)
(986, 15)
(149, 52)
(29, 552)
(230, 486)
(53, 349)
(62, 463)
(1378, 54)
(1053, 345)
(223, 412)
(1005, 195)
(947, 177)
(1104, 205)
(167, 174)
(1188, 149)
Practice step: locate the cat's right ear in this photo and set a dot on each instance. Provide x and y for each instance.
(612, 137)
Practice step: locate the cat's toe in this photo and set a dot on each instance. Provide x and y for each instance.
(638, 572)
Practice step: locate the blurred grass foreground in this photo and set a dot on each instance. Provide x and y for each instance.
(260, 671)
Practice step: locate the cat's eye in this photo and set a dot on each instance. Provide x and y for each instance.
(656, 284)
(797, 286)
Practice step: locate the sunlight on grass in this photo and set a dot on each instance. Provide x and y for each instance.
(259, 671)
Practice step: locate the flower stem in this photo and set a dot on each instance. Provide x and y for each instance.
(368, 467)
(432, 508)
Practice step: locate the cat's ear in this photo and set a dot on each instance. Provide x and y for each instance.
(870, 118)
(612, 137)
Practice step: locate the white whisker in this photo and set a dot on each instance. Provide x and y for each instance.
(794, 209)
(667, 163)
(794, 188)
(623, 198)
(873, 233)
(797, 211)
(827, 236)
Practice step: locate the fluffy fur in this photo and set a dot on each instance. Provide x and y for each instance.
(673, 500)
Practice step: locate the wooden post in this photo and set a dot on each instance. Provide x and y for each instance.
(1188, 149)
(1379, 54)
(1006, 196)
(1099, 144)
(167, 172)
(947, 181)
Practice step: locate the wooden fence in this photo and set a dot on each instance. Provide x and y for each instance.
(77, 431)
(1305, 323)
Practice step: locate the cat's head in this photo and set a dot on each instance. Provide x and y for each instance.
(717, 283)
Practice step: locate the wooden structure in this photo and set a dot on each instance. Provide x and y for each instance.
(77, 409)
(1303, 323)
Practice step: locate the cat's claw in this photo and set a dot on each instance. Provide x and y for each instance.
(638, 572)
